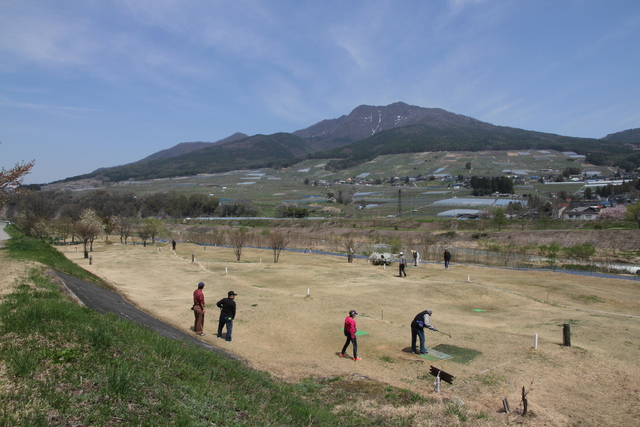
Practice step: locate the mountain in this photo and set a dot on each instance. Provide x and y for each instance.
(366, 121)
(629, 135)
(253, 152)
(187, 147)
(472, 136)
(367, 132)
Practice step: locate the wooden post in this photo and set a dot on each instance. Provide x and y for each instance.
(90, 259)
(193, 257)
(525, 402)
(505, 405)
(566, 335)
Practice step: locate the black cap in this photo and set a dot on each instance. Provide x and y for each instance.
(353, 313)
(231, 293)
(201, 285)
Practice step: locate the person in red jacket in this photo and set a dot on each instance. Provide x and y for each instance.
(198, 309)
(350, 332)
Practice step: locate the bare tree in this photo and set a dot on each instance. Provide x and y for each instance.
(11, 180)
(238, 238)
(109, 223)
(350, 246)
(88, 228)
(145, 231)
(154, 227)
(35, 208)
(63, 228)
(217, 236)
(125, 228)
(278, 241)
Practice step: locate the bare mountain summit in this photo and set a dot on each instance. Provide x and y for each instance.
(366, 120)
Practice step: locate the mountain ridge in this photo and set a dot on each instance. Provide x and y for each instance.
(366, 132)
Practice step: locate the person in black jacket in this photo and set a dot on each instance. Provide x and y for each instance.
(227, 314)
(418, 324)
(447, 259)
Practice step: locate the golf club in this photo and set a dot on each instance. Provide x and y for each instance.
(444, 333)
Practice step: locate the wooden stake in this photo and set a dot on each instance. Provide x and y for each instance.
(505, 405)
(566, 335)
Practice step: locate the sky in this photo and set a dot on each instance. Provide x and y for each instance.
(86, 84)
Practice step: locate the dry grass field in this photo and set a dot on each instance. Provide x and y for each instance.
(282, 329)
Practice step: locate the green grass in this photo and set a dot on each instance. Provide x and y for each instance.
(20, 247)
(70, 365)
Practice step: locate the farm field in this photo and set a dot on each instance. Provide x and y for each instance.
(290, 315)
(268, 188)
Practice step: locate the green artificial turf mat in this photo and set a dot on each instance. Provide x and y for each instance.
(433, 355)
(358, 333)
(458, 354)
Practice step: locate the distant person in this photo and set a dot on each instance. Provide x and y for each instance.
(403, 265)
(416, 258)
(173, 245)
(418, 324)
(198, 309)
(350, 332)
(447, 259)
(227, 314)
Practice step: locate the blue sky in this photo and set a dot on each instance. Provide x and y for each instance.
(97, 83)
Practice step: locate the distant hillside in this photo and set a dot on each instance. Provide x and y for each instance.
(629, 135)
(474, 136)
(249, 153)
(187, 147)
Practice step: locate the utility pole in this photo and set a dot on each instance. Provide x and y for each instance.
(399, 203)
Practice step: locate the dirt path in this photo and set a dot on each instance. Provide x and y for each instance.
(290, 315)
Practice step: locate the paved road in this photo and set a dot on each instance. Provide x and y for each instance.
(3, 234)
(106, 301)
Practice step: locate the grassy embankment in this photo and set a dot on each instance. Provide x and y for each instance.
(63, 364)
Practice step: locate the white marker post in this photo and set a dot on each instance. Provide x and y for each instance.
(535, 341)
